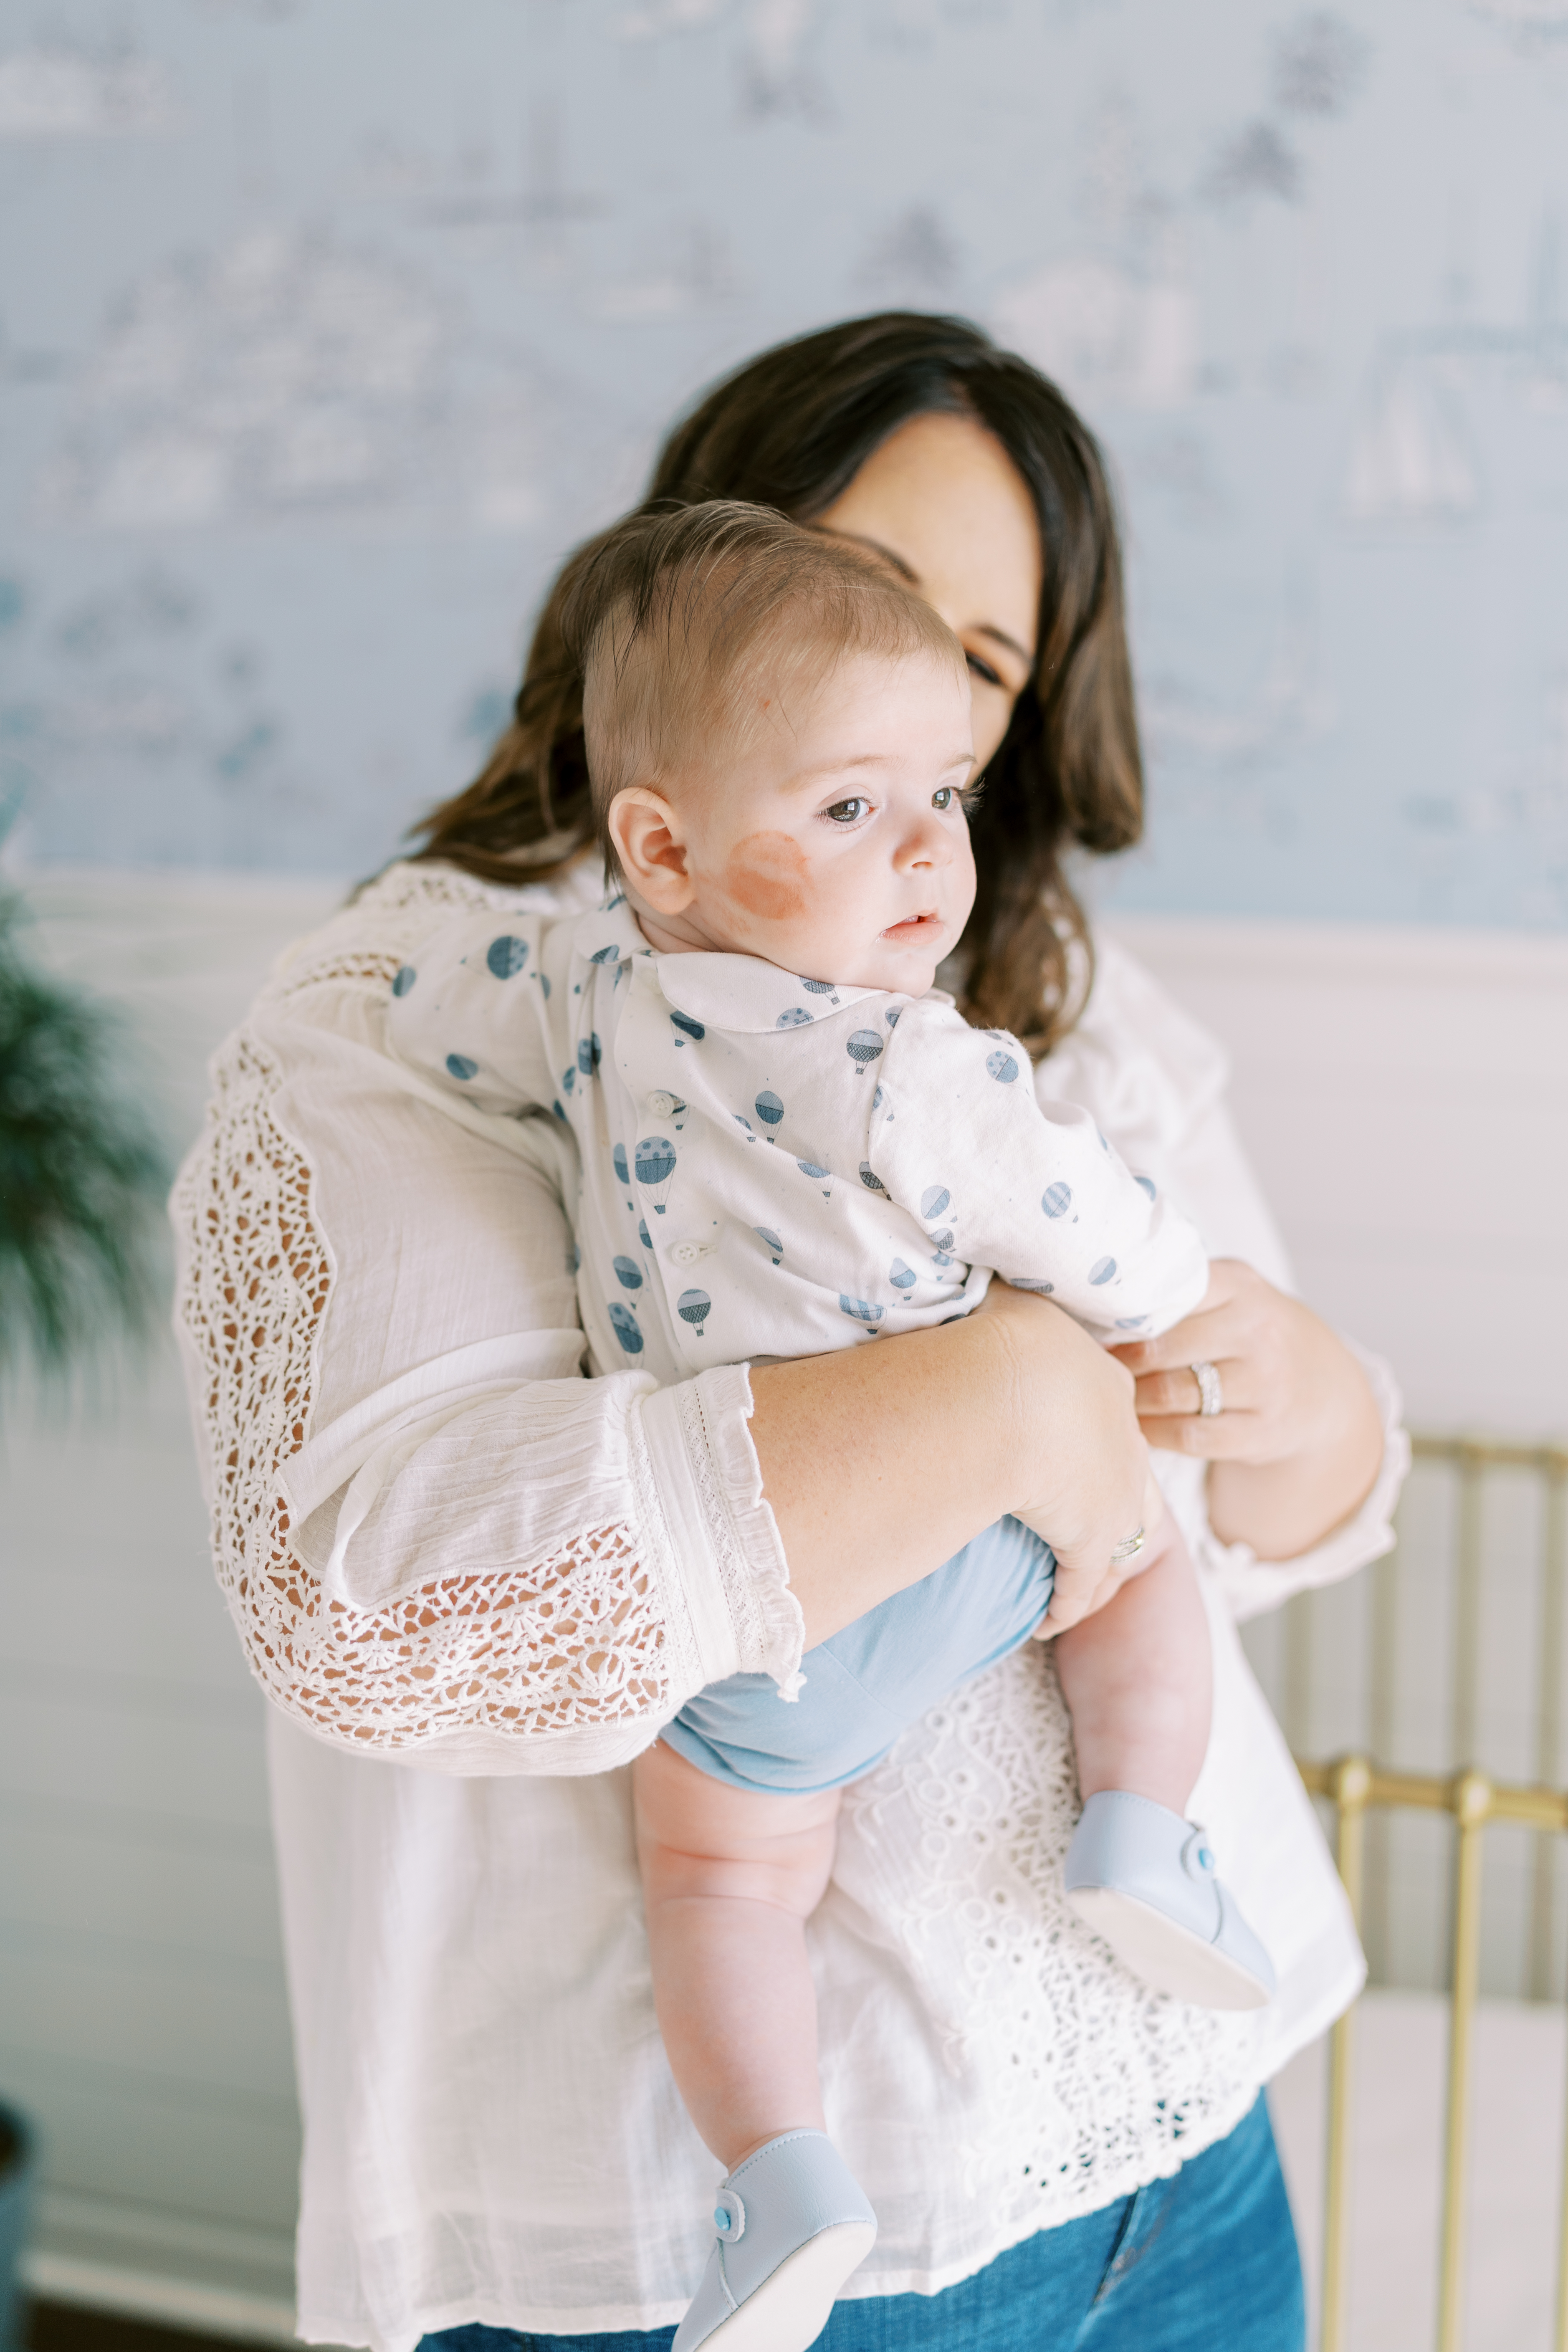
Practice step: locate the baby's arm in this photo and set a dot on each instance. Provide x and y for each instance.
(469, 1016)
(1033, 1191)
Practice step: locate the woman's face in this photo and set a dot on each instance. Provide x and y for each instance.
(945, 505)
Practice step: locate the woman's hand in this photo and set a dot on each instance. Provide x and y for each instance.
(881, 1462)
(1085, 1485)
(1298, 1443)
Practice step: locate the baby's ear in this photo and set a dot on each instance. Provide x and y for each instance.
(650, 843)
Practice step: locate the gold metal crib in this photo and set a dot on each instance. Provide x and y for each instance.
(1357, 1788)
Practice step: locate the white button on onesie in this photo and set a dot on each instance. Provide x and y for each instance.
(774, 1166)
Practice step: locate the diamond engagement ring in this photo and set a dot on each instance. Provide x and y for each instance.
(1128, 1548)
(1211, 1396)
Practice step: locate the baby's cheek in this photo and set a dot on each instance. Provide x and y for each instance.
(764, 876)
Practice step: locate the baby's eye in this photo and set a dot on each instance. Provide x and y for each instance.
(944, 796)
(847, 812)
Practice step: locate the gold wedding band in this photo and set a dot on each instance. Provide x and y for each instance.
(1128, 1548)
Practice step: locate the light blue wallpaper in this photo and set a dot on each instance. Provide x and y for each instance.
(329, 324)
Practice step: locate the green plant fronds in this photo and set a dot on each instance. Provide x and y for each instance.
(81, 1172)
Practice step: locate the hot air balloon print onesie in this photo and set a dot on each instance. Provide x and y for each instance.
(774, 1167)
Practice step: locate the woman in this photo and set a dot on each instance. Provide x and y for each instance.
(446, 1549)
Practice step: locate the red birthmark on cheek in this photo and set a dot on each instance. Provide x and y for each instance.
(766, 875)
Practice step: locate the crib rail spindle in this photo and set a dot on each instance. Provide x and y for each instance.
(1470, 1800)
(1349, 1784)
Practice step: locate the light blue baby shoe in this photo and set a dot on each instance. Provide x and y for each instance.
(1144, 1880)
(791, 2224)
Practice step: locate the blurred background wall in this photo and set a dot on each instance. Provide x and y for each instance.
(326, 326)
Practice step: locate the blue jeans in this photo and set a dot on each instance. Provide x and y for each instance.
(1203, 2263)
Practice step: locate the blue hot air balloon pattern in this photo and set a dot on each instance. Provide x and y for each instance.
(1057, 1200)
(618, 1160)
(459, 1066)
(1002, 1066)
(820, 987)
(684, 1026)
(405, 978)
(824, 1176)
(892, 1015)
(606, 955)
(1102, 1271)
(860, 1308)
(693, 1307)
(590, 1053)
(505, 957)
(643, 1232)
(863, 1046)
(625, 1324)
(902, 1276)
(768, 1107)
(628, 1272)
(1148, 1185)
(933, 1200)
(795, 1016)
(872, 1180)
(770, 1242)
(568, 1080)
(1021, 1281)
(655, 1164)
(742, 1121)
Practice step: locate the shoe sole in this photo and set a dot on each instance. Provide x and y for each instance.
(1168, 1956)
(792, 2306)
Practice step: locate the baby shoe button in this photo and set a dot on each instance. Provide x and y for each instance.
(686, 1252)
(660, 1104)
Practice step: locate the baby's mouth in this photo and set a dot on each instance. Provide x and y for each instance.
(912, 925)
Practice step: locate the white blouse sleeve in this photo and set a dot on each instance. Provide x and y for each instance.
(1156, 1081)
(439, 1542)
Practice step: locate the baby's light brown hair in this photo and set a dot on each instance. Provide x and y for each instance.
(690, 621)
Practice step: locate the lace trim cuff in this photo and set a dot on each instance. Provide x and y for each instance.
(1252, 1585)
(700, 1484)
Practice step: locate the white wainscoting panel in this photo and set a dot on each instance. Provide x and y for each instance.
(1404, 1094)
(144, 2024)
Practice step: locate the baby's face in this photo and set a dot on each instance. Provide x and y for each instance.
(837, 845)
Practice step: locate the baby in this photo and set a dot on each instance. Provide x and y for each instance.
(778, 736)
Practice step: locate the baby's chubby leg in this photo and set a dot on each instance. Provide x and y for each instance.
(730, 1878)
(1138, 1678)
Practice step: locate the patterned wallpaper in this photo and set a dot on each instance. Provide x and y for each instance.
(327, 325)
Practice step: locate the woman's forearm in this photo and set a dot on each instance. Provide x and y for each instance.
(882, 1463)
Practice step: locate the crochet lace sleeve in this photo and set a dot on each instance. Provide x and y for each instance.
(437, 1541)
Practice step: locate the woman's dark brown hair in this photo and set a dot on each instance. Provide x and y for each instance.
(791, 430)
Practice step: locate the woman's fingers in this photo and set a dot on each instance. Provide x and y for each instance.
(1160, 1393)
(1224, 1437)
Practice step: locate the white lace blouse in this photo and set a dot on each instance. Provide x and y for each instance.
(376, 1309)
